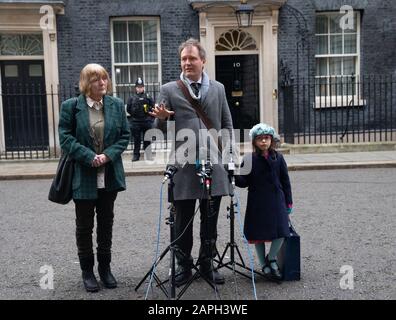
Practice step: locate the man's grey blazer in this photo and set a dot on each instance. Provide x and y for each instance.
(186, 153)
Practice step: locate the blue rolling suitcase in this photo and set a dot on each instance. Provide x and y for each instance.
(289, 256)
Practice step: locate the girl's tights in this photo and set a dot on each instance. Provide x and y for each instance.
(276, 244)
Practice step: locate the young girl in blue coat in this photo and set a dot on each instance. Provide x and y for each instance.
(269, 197)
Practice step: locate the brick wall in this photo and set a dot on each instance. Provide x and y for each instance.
(84, 32)
(378, 37)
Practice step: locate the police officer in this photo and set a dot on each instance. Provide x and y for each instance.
(138, 107)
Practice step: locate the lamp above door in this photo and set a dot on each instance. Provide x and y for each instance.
(244, 14)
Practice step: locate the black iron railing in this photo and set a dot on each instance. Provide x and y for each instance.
(30, 118)
(339, 109)
(313, 111)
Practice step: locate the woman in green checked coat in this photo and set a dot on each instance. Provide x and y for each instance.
(93, 129)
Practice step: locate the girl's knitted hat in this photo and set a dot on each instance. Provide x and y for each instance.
(263, 128)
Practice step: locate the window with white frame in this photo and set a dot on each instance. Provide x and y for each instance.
(135, 52)
(337, 54)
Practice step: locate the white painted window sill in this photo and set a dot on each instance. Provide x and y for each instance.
(338, 102)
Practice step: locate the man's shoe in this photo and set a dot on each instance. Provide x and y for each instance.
(90, 282)
(211, 274)
(135, 158)
(183, 275)
(107, 277)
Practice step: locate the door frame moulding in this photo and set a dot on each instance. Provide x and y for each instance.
(24, 18)
(266, 20)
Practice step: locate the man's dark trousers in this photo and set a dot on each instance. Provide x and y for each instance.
(185, 210)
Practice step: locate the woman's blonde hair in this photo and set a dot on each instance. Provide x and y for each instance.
(90, 73)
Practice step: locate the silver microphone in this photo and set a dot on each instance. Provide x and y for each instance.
(169, 173)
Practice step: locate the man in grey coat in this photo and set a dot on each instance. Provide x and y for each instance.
(188, 185)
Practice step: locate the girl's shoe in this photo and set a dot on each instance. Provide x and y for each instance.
(275, 273)
(270, 273)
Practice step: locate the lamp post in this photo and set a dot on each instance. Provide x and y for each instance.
(244, 14)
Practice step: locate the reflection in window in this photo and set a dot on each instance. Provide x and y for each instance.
(11, 71)
(35, 70)
(235, 40)
(21, 45)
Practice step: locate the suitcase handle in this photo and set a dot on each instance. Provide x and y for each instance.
(291, 228)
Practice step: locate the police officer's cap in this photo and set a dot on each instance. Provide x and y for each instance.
(139, 82)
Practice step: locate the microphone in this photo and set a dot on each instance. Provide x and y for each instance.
(208, 168)
(230, 166)
(204, 165)
(200, 162)
(169, 173)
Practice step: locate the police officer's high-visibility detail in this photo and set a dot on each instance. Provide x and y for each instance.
(138, 107)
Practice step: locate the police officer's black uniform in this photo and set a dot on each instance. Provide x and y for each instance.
(138, 107)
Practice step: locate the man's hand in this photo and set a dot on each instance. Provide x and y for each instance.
(160, 112)
(99, 160)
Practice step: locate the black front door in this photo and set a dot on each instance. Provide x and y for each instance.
(239, 74)
(24, 105)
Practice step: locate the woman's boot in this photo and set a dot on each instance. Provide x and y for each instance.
(88, 276)
(105, 272)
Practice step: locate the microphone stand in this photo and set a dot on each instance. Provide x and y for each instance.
(172, 247)
(170, 293)
(205, 174)
(232, 245)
